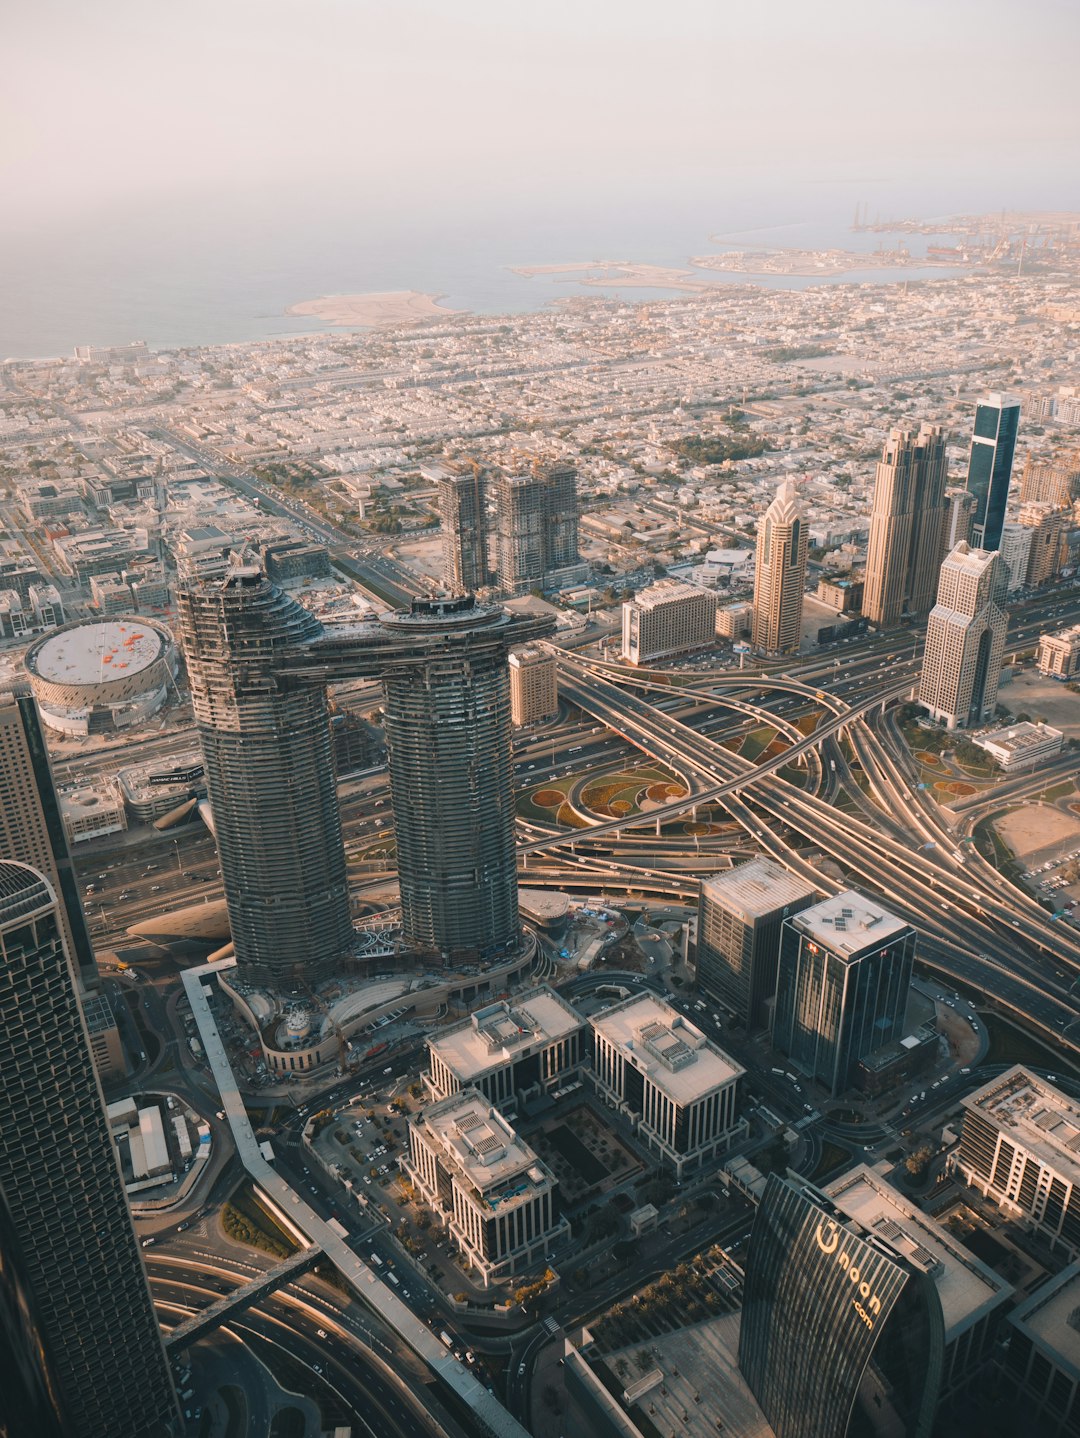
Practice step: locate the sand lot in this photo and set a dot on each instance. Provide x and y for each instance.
(388, 309)
(1039, 832)
(1042, 698)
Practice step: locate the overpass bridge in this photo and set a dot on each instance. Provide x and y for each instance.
(248, 1293)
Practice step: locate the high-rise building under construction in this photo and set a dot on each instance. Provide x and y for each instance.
(462, 490)
(258, 665)
(536, 527)
(907, 527)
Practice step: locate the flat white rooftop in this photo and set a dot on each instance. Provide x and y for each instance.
(664, 1045)
(481, 1146)
(848, 923)
(967, 1288)
(501, 1033)
(756, 889)
(1050, 1317)
(667, 591)
(1035, 1116)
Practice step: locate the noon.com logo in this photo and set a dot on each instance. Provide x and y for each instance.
(867, 1303)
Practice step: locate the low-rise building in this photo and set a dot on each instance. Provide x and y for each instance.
(843, 595)
(735, 621)
(1059, 654)
(534, 685)
(1019, 1146)
(678, 1090)
(105, 1045)
(486, 1187)
(1042, 1362)
(151, 790)
(512, 1051)
(666, 619)
(92, 811)
(1021, 746)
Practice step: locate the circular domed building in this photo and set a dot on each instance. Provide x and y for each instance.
(101, 674)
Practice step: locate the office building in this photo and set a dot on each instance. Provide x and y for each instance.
(842, 985)
(965, 639)
(462, 495)
(512, 1051)
(738, 936)
(536, 528)
(907, 527)
(1051, 481)
(677, 1089)
(838, 1333)
(1015, 551)
(104, 1036)
(846, 596)
(666, 619)
(973, 1299)
(735, 621)
(31, 822)
(486, 1187)
(1059, 654)
(270, 778)
(780, 576)
(88, 1340)
(990, 462)
(1049, 547)
(959, 516)
(534, 685)
(1021, 746)
(259, 665)
(1041, 1367)
(1019, 1145)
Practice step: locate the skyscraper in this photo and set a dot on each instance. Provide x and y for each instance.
(87, 1347)
(840, 1333)
(1053, 481)
(1049, 529)
(536, 527)
(780, 578)
(738, 941)
(907, 524)
(258, 665)
(842, 985)
(462, 489)
(269, 775)
(959, 511)
(31, 828)
(993, 444)
(965, 639)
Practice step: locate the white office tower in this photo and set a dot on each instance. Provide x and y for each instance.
(666, 619)
(965, 639)
(782, 548)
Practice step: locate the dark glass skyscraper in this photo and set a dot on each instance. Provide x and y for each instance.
(993, 444)
(84, 1354)
(842, 985)
(838, 1336)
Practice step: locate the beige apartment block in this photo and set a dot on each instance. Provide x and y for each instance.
(534, 685)
(666, 619)
(1059, 654)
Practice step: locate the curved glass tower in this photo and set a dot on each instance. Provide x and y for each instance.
(84, 1356)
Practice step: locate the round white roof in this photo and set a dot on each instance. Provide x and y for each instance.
(100, 650)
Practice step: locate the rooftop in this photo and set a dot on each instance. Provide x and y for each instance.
(1017, 738)
(667, 591)
(505, 1031)
(483, 1150)
(99, 649)
(676, 1056)
(1049, 1318)
(967, 1288)
(848, 924)
(1039, 1118)
(756, 889)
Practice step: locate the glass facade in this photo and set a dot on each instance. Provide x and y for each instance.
(832, 1009)
(90, 1356)
(993, 444)
(837, 1336)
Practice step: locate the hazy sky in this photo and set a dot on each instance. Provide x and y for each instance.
(484, 98)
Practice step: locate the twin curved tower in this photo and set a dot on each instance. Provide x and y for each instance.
(258, 665)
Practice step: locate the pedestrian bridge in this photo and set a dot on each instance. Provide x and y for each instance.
(209, 1318)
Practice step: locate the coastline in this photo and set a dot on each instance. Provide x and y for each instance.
(382, 309)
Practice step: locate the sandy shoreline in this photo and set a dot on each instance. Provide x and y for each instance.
(387, 309)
